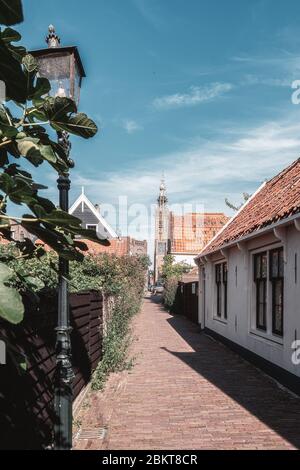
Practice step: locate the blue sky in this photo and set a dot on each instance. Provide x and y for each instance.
(198, 89)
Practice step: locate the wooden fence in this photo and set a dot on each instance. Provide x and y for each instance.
(186, 300)
(26, 398)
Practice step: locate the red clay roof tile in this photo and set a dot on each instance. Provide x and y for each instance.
(277, 199)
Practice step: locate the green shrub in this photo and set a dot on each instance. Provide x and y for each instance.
(171, 274)
(169, 296)
(123, 278)
(128, 288)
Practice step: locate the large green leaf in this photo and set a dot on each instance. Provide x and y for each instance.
(11, 306)
(60, 218)
(48, 153)
(79, 124)
(55, 239)
(7, 130)
(58, 108)
(11, 12)
(10, 35)
(41, 88)
(12, 75)
(89, 235)
(60, 112)
(31, 150)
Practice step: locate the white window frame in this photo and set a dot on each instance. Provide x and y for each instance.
(253, 330)
(221, 318)
(91, 225)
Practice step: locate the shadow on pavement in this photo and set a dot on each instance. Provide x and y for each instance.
(239, 380)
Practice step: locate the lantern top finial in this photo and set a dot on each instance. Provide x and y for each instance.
(52, 39)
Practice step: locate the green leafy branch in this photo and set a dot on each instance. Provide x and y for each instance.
(29, 121)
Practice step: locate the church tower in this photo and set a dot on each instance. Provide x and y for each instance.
(161, 230)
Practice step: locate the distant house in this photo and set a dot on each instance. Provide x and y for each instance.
(18, 233)
(249, 278)
(91, 217)
(189, 233)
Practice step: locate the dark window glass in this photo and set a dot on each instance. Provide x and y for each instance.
(264, 264)
(261, 305)
(260, 276)
(221, 282)
(277, 283)
(225, 288)
(219, 290)
(218, 273)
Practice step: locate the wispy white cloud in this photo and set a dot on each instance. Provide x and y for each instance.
(205, 172)
(250, 79)
(131, 126)
(285, 62)
(195, 96)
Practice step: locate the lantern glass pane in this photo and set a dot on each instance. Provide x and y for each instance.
(77, 83)
(56, 67)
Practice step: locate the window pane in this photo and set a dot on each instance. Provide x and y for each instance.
(261, 305)
(218, 273)
(281, 264)
(278, 307)
(257, 266)
(261, 295)
(261, 316)
(278, 320)
(224, 272)
(264, 265)
(274, 264)
(219, 300)
(225, 301)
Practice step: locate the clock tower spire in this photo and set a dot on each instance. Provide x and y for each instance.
(161, 229)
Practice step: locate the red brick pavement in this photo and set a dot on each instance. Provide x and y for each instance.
(187, 391)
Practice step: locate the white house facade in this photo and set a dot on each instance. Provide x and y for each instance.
(249, 279)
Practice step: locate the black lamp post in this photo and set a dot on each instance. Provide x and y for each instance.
(62, 66)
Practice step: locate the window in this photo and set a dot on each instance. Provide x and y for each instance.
(224, 267)
(92, 227)
(268, 269)
(276, 279)
(260, 279)
(221, 290)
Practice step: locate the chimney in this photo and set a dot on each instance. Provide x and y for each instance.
(97, 207)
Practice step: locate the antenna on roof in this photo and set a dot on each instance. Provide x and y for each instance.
(82, 190)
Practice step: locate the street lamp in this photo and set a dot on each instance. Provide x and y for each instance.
(62, 66)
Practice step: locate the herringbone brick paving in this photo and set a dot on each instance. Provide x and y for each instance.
(187, 391)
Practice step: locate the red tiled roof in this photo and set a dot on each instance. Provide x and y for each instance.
(191, 232)
(277, 199)
(118, 247)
